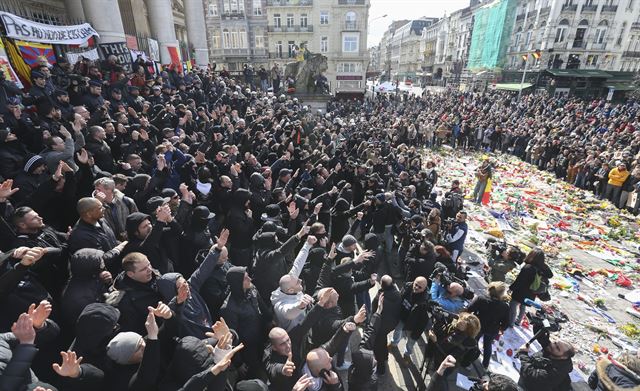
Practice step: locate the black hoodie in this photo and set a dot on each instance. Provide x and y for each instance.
(362, 373)
(96, 326)
(271, 261)
(244, 311)
(241, 227)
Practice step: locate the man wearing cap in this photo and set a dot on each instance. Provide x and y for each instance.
(61, 100)
(39, 87)
(93, 99)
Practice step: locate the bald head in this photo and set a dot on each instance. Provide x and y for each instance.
(317, 360)
(386, 281)
(455, 289)
(419, 284)
(280, 341)
(90, 210)
(332, 294)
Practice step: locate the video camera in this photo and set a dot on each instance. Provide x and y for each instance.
(544, 323)
(446, 278)
(495, 250)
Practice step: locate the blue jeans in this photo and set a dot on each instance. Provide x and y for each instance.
(478, 191)
(397, 336)
(264, 85)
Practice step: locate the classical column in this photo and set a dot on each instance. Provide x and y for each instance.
(74, 10)
(196, 30)
(104, 16)
(162, 28)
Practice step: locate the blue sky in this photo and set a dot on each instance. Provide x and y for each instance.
(405, 9)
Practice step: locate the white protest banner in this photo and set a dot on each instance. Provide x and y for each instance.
(89, 54)
(154, 50)
(28, 30)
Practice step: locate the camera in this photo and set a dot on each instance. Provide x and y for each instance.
(495, 250)
(543, 324)
(447, 277)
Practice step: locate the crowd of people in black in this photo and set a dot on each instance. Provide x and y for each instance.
(186, 231)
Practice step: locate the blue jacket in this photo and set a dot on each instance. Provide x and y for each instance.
(438, 294)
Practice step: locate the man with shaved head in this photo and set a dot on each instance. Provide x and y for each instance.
(414, 316)
(283, 357)
(388, 319)
(91, 230)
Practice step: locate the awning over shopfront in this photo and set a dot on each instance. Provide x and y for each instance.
(622, 86)
(513, 86)
(586, 73)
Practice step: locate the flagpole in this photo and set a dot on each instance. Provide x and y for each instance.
(524, 74)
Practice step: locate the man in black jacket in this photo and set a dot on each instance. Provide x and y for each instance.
(548, 369)
(92, 230)
(389, 319)
(414, 316)
(137, 289)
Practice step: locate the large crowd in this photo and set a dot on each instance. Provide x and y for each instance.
(187, 231)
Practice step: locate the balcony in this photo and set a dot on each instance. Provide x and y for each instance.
(579, 44)
(590, 8)
(570, 7)
(599, 46)
(635, 26)
(259, 52)
(291, 29)
(232, 15)
(545, 10)
(351, 2)
(289, 3)
(230, 52)
(609, 8)
(631, 54)
(351, 26)
(519, 17)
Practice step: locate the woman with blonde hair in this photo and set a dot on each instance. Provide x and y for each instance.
(458, 339)
(493, 312)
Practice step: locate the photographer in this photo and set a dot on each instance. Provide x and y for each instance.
(524, 287)
(548, 369)
(456, 234)
(453, 335)
(489, 382)
(618, 374)
(502, 259)
(447, 293)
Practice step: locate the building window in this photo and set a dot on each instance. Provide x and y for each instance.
(259, 41)
(215, 39)
(291, 45)
(324, 17)
(226, 6)
(601, 31)
(242, 39)
(350, 43)
(303, 20)
(276, 20)
(234, 39)
(226, 39)
(349, 67)
(351, 84)
(290, 21)
(257, 7)
(350, 20)
(561, 31)
(592, 60)
(324, 44)
(279, 49)
(619, 40)
(212, 10)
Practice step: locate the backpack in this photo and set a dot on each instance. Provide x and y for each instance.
(540, 287)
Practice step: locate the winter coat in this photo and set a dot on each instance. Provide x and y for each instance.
(540, 373)
(362, 374)
(156, 245)
(132, 299)
(193, 315)
(85, 235)
(493, 314)
(96, 326)
(190, 368)
(244, 311)
(413, 310)
(84, 286)
(271, 261)
(521, 287)
(312, 268)
(214, 290)
(610, 377)
(241, 228)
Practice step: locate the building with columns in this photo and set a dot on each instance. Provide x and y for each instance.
(176, 24)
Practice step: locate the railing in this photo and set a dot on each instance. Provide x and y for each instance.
(259, 51)
(609, 8)
(579, 44)
(284, 29)
(589, 8)
(232, 15)
(351, 2)
(290, 3)
(570, 7)
(350, 26)
(44, 13)
(631, 54)
(599, 46)
(231, 52)
(635, 26)
(545, 10)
